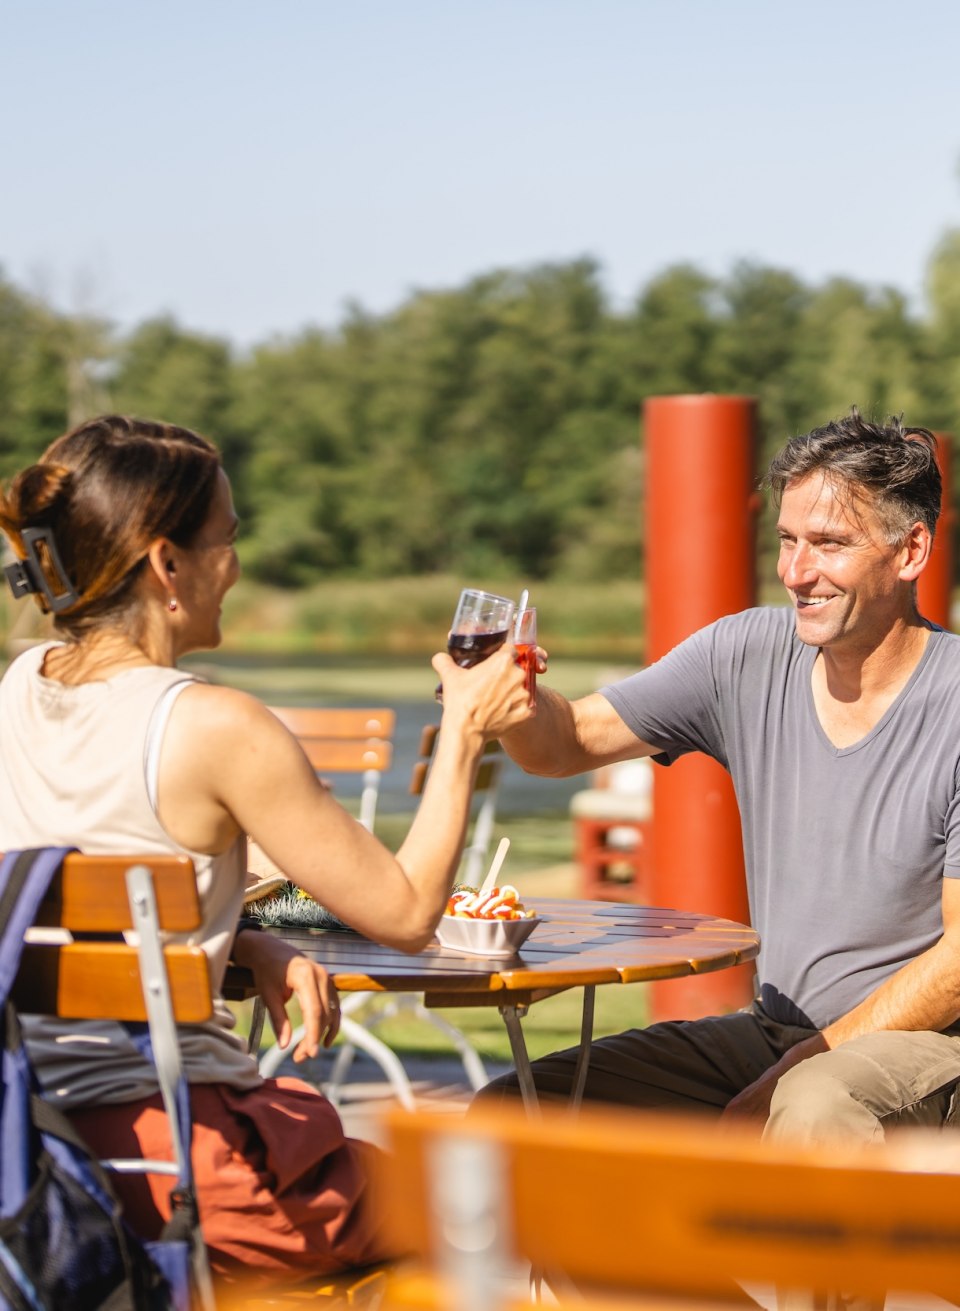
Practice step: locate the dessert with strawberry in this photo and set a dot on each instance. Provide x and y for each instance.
(495, 904)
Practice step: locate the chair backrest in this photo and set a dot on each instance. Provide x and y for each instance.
(641, 1202)
(345, 741)
(486, 788)
(100, 979)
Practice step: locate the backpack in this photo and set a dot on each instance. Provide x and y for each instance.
(63, 1240)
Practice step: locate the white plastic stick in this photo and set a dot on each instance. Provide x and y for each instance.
(499, 857)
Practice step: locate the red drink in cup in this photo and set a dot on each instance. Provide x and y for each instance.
(525, 640)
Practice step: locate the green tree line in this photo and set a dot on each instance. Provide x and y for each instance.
(488, 430)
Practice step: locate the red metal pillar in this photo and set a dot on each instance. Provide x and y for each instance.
(700, 565)
(935, 584)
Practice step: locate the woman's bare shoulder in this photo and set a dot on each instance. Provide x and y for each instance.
(223, 713)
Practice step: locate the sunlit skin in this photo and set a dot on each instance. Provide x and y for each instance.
(849, 586)
(201, 576)
(854, 598)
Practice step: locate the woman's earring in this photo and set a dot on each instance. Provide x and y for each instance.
(172, 603)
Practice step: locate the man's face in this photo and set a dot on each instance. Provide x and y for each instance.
(843, 577)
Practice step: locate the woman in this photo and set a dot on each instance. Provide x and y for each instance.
(126, 531)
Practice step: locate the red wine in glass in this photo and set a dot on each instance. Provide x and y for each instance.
(480, 626)
(468, 649)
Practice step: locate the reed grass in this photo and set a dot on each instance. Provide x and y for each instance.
(410, 616)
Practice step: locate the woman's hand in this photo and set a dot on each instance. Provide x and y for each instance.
(492, 696)
(280, 973)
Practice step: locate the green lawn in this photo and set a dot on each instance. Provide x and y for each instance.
(549, 1026)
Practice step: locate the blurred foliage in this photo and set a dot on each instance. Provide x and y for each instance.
(491, 429)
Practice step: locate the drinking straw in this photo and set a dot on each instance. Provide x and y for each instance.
(524, 598)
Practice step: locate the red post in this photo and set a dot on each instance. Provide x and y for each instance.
(700, 565)
(935, 584)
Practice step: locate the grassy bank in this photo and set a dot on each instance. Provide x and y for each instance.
(410, 616)
(396, 618)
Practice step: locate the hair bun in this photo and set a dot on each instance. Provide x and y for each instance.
(37, 491)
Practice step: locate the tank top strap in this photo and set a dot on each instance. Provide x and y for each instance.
(154, 739)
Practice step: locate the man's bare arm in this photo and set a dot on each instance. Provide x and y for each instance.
(922, 995)
(571, 737)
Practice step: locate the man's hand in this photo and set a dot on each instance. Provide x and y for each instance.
(753, 1103)
(281, 973)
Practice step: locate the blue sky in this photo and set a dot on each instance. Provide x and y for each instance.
(251, 166)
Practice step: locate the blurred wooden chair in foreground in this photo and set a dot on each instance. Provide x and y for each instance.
(622, 1208)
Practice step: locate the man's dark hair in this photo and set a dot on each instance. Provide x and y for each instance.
(895, 466)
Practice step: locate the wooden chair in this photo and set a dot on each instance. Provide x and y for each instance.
(485, 789)
(336, 741)
(351, 740)
(102, 977)
(649, 1209)
(345, 741)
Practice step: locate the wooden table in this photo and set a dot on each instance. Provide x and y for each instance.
(577, 944)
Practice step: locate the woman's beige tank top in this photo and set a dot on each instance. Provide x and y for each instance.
(78, 767)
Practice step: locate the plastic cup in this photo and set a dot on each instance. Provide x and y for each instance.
(525, 639)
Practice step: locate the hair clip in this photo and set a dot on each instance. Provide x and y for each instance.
(28, 575)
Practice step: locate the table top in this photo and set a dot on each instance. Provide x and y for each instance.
(576, 943)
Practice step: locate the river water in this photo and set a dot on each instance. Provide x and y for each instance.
(519, 793)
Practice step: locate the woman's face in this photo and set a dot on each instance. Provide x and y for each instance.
(207, 571)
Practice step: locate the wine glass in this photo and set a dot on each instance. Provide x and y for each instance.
(481, 623)
(480, 626)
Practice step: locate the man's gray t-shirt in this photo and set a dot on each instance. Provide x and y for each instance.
(845, 848)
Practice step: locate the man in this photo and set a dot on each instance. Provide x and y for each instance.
(839, 721)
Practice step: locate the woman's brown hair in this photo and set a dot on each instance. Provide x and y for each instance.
(105, 491)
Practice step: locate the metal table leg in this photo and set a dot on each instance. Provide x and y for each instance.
(528, 1089)
(521, 1059)
(257, 1017)
(583, 1058)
